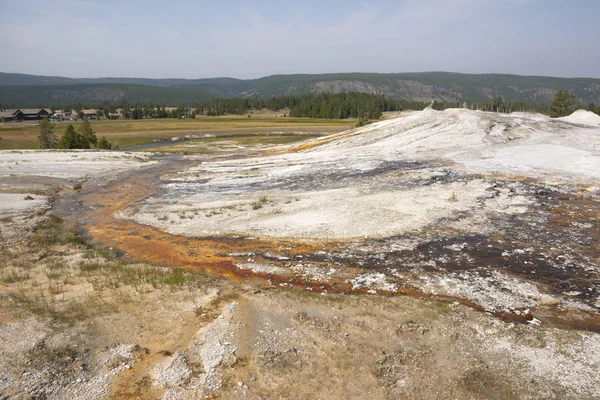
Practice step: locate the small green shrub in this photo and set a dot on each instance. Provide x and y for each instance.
(260, 202)
(362, 122)
(52, 231)
(14, 277)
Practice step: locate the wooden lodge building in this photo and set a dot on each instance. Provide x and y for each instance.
(24, 114)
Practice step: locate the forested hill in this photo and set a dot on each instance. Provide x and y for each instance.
(17, 96)
(426, 86)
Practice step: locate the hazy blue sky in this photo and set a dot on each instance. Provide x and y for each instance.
(195, 39)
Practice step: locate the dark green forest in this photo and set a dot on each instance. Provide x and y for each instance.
(351, 105)
(321, 105)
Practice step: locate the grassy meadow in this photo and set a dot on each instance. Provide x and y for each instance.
(268, 128)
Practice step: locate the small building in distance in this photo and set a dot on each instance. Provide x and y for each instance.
(66, 115)
(8, 115)
(115, 115)
(71, 115)
(25, 114)
(34, 114)
(90, 114)
(57, 115)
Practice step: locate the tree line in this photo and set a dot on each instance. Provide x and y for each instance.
(83, 138)
(335, 106)
(327, 105)
(316, 105)
(323, 105)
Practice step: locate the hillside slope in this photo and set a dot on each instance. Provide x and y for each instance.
(425, 86)
(90, 94)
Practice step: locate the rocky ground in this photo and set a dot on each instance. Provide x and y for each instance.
(415, 201)
(436, 255)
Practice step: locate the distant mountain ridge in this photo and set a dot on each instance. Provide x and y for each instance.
(33, 90)
(15, 96)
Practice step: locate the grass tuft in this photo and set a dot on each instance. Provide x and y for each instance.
(14, 277)
(52, 231)
(260, 202)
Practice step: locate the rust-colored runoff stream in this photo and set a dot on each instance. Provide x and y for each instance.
(212, 255)
(145, 243)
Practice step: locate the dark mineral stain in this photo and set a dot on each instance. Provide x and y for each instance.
(555, 243)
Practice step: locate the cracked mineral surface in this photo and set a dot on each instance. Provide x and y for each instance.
(485, 201)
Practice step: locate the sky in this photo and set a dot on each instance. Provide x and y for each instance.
(251, 39)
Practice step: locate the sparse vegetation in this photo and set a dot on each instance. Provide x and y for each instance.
(14, 277)
(260, 202)
(52, 231)
(104, 144)
(362, 122)
(51, 246)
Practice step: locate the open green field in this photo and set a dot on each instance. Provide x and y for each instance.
(127, 133)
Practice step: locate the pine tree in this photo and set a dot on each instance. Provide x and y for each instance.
(563, 104)
(71, 139)
(47, 138)
(88, 136)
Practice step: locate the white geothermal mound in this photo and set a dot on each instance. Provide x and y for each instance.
(387, 178)
(583, 117)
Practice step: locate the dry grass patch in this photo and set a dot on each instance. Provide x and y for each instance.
(134, 132)
(61, 277)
